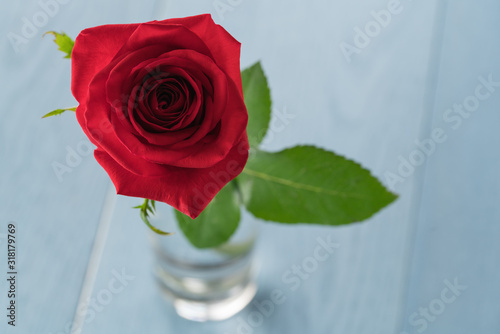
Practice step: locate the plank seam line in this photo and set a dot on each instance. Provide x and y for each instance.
(430, 101)
(94, 260)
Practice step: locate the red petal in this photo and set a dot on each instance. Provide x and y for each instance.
(224, 47)
(94, 48)
(188, 190)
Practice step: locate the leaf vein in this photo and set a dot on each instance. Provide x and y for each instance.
(297, 185)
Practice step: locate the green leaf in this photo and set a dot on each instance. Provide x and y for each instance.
(58, 112)
(305, 184)
(146, 208)
(64, 42)
(217, 223)
(258, 102)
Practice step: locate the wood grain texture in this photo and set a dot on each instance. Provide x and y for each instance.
(458, 222)
(393, 92)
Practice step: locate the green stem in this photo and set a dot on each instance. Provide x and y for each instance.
(146, 209)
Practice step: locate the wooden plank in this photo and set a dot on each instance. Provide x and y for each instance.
(458, 224)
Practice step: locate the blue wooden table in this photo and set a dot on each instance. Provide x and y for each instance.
(410, 89)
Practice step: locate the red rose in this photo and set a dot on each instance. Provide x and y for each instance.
(163, 103)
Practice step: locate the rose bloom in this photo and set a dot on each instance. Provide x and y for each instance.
(163, 103)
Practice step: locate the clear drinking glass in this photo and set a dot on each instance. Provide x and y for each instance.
(205, 284)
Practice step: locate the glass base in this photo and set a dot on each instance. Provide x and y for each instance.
(201, 310)
(209, 284)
